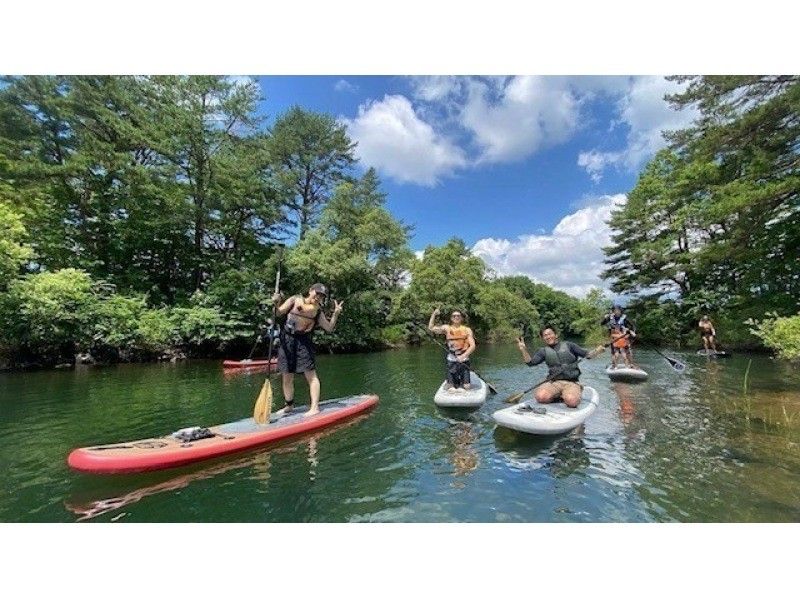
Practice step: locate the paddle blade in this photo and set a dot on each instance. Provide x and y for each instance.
(491, 388)
(678, 366)
(263, 408)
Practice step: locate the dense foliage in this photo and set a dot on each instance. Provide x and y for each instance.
(780, 334)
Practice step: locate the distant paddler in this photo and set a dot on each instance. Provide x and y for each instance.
(561, 357)
(296, 352)
(620, 330)
(460, 345)
(708, 334)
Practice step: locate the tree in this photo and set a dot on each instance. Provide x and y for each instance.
(309, 155)
(14, 252)
(555, 308)
(358, 250)
(713, 223)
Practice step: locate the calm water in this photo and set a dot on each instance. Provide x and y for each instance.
(688, 447)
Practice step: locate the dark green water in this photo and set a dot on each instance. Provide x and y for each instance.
(685, 447)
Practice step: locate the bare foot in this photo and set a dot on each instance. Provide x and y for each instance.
(311, 412)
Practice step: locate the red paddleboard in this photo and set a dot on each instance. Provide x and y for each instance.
(249, 363)
(168, 451)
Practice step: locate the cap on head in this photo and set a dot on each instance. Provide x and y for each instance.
(319, 289)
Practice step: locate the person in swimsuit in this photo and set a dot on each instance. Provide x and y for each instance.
(296, 351)
(708, 334)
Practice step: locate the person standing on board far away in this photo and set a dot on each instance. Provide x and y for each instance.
(708, 334)
(561, 358)
(296, 351)
(460, 345)
(621, 330)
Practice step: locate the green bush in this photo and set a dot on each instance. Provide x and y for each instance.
(155, 333)
(13, 251)
(49, 314)
(198, 325)
(779, 334)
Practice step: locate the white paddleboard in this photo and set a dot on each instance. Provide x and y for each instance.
(474, 397)
(626, 373)
(548, 418)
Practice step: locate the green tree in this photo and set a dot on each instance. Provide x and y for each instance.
(555, 308)
(359, 250)
(591, 310)
(713, 223)
(49, 314)
(14, 252)
(309, 155)
(503, 314)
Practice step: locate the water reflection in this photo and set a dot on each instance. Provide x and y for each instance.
(627, 407)
(464, 457)
(562, 455)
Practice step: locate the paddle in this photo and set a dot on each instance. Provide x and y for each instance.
(516, 397)
(250, 355)
(263, 407)
(491, 388)
(677, 365)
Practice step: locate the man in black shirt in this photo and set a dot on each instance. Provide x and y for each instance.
(562, 360)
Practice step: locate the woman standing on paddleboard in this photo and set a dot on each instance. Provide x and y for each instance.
(296, 351)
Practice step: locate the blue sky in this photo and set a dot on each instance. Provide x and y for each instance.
(524, 169)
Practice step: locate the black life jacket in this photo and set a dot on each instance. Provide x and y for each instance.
(562, 363)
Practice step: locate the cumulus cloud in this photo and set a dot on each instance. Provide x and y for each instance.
(344, 85)
(644, 112)
(452, 122)
(569, 258)
(511, 119)
(435, 88)
(595, 162)
(395, 140)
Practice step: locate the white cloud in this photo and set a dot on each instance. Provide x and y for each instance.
(344, 85)
(647, 115)
(435, 88)
(511, 119)
(570, 258)
(595, 162)
(395, 140)
(452, 122)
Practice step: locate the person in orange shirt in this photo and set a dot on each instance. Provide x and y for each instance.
(621, 330)
(460, 345)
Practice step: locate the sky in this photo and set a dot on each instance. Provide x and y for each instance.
(524, 169)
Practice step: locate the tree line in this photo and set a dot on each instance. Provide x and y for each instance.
(143, 217)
